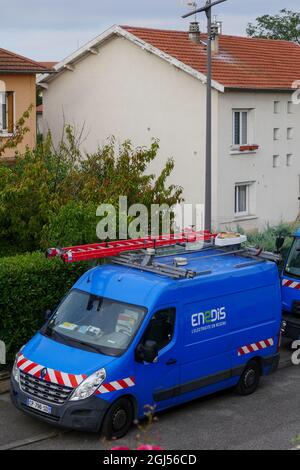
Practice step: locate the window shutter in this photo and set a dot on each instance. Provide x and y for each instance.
(237, 128)
(10, 112)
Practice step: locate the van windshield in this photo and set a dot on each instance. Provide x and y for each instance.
(293, 262)
(99, 324)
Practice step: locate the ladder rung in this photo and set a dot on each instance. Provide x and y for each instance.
(105, 249)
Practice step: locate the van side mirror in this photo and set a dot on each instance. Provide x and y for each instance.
(279, 242)
(48, 314)
(147, 352)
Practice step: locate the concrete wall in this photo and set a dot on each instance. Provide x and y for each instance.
(275, 190)
(129, 93)
(24, 87)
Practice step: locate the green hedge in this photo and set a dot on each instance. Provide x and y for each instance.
(29, 285)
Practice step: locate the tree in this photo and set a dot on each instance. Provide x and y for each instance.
(50, 196)
(284, 26)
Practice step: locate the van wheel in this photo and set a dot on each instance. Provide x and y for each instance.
(118, 419)
(250, 379)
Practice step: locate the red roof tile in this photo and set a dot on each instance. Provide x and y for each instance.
(241, 62)
(14, 63)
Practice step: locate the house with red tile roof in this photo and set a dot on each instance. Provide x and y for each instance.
(17, 93)
(142, 83)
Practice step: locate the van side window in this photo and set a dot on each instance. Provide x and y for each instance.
(161, 328)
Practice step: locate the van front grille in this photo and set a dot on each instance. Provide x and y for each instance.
(52, 393)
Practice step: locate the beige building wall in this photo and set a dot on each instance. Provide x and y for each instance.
(24, 88)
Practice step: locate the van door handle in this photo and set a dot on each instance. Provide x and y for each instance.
(170, 362)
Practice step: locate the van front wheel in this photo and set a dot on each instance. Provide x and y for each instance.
(249, 380)
(118, 419)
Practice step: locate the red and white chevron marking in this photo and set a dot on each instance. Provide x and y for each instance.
(292, 284)
(251, 348)
(116, 385)
(53, 376)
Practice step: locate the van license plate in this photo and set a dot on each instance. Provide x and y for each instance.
(39, 406)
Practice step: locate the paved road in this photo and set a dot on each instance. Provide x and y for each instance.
(270, 419)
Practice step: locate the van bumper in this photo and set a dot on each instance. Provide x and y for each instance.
(290, 326)
(86, 415)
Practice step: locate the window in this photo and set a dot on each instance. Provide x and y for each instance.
(240, 127)
(276, 107)
(276, 134)
(241, 199)
(293, 262)
(95, 323)
(290, 132)
(161, 328)
(290, 108)
(7, 112)
(289, 159)
(276, 161)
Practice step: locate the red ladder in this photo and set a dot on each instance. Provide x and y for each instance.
(108, 249)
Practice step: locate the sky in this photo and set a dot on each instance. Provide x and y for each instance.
(49, 30)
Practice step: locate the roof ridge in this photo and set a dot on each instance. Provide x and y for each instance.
(236, 36)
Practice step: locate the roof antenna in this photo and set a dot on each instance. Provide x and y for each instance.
(190, 4)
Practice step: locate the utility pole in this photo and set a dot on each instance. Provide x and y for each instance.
(208, 162)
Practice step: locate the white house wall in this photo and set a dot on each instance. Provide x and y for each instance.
(132, 94)
(276, 190)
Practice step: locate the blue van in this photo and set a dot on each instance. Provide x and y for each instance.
(291, 290)
(158, 331)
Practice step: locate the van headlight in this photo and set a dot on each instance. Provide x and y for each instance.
(89, 386)
(16, 370)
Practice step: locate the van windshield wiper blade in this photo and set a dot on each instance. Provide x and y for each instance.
(91, 346)
(51, 333)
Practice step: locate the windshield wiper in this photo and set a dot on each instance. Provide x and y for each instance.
(91, 346)
(54, 334)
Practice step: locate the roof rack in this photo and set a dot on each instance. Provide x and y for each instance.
(142, 253)
(145, 261)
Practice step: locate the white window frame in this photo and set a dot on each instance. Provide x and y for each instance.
(290, 107)
(236, 199)
(290, 133)
(289, 160)
(240, 111)
(277, 107)
(4, 131)
(276, 133)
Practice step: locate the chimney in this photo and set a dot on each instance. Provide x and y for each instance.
(194, 32)
(216, 30)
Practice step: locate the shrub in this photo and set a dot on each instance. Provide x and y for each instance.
(29, 285)
(49, 194)
(267, 237)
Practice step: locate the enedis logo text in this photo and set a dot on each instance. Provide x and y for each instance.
(214, 318)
